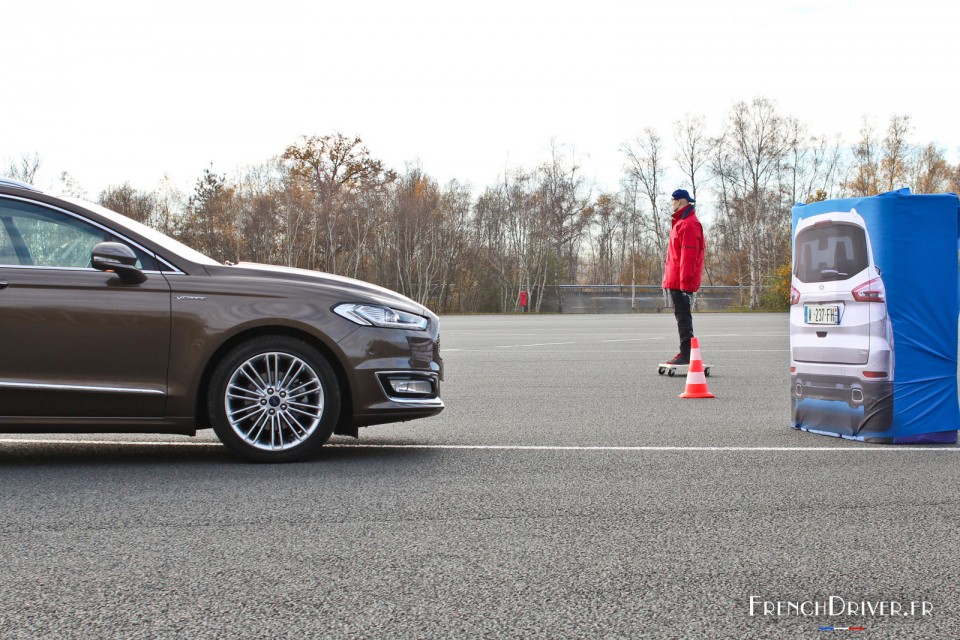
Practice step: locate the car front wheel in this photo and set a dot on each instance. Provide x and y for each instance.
(274, 399)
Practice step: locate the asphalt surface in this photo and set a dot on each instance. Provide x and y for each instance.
(565, 492)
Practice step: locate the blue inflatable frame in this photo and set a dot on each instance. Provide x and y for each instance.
(875, 304)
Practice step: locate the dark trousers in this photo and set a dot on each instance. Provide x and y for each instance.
(681, 311)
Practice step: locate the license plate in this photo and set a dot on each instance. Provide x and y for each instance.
(821, 314)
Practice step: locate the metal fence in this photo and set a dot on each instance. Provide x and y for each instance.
(615, 298)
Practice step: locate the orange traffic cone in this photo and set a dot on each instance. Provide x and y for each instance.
(696, 379)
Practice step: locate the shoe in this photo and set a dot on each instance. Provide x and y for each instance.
(679, 359)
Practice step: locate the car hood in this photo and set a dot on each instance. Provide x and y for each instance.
(353, 290)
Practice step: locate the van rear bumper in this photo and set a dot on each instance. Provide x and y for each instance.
(852, 390)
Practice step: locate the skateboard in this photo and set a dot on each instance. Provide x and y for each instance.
(671, 369)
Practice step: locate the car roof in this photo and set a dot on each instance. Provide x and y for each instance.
(842, 217)
(17, 184)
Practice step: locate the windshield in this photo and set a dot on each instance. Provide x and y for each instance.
(149, 233)
(827, 252)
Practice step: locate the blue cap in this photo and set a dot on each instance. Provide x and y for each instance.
(681, 194)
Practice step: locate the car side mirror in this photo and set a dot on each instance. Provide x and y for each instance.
(118, 258)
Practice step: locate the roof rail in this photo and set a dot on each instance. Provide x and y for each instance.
(17, 184)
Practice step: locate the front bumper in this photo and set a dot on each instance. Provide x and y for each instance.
(394, 374)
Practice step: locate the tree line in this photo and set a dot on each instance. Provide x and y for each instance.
(327, 203)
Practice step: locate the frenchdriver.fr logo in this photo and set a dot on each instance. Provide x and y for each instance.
(835, 606)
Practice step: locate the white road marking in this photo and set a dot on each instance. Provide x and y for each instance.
(589, 349)
(466, 332)
(632, 339)
(541, 344)
(497, 447)
(752, 350)
(510, 447)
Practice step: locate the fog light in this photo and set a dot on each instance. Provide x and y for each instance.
(411, 387)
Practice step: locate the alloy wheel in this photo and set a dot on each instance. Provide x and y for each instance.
(274, 401)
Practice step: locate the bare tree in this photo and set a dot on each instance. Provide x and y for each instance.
(931, 171)
(70, 187)
(864, 179)
(564, 200)
(749, 166)
(295, 213)
(608, 221)
(526, 240)
(170, 205)
(24, 170)
(210, 224)
(725, 256)
(693, 149)
(413, 220)
(256, 211)
(895, 158)
(645, 165)
(126, 200)
(495, 268)
(811, 163)
(954, 179)
(455, 204)
(335, 169)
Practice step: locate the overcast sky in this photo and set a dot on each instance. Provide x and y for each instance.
(115, 91)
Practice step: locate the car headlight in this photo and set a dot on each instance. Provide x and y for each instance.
(378, 316)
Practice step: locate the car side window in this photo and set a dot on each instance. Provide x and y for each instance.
(8, 255)
(32, 235)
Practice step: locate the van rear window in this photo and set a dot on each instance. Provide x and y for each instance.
(830, 252)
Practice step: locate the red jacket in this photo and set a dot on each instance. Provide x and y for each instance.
(685, 250)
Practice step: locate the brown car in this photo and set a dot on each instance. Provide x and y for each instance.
(110, 326)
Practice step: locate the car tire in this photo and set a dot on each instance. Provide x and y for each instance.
(274, 399)
(878, 409)
(881, 418)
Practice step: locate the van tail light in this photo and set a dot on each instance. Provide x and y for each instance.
(874, 374)
(794, 295)
(870, 291)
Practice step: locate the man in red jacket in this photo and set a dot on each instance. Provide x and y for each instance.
(684, 268)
